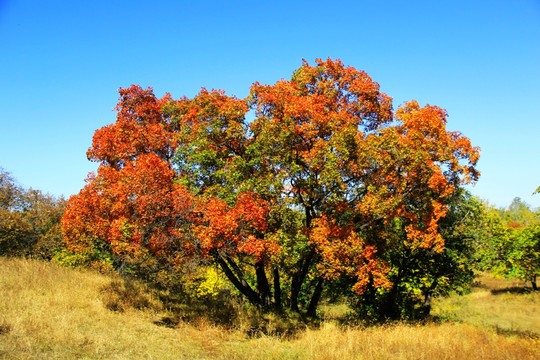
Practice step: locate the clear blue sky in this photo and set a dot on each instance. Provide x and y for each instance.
(62, 62)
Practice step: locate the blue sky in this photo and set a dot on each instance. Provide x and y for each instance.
(62, 62)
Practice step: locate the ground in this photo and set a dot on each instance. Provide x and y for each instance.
(50, 312)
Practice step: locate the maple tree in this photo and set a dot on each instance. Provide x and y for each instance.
(329, 138)
(326, 184)
(132, 214)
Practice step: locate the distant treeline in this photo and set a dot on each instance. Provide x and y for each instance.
(29, 220)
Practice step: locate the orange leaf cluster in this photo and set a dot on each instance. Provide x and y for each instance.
(133, 203)
(240, 228)
(135, 206)
(344, 252)
(140, 128)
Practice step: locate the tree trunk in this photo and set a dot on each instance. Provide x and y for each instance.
(533, 283)
(262, 285)
(426, 306)
(314, 302)
(390, 307)
(299, 277)
(302, 266)
(277, 290)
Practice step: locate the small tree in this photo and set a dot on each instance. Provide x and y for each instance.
(524, 254)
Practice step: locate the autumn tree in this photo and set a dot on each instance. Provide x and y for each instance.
(356, 172)
(518, 214)
(419, 274)
(420, 168)
(132, 215)
(29, 220)
(524, 255)
(326, 183)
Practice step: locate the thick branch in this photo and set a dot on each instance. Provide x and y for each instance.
(239, 273)
(239, 283)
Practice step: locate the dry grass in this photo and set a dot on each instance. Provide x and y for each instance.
(54, 312)
(48, 312)
(497, 304)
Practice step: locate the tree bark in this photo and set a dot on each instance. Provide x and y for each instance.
(299, 277)
(238, 281)
(426, 306)
(314, 302)
(390, 305)
(262, 285)
(277, 290)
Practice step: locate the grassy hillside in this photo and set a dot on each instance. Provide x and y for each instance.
(49, 312)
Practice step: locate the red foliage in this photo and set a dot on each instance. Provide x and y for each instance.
(140, 128)
(134, 203)
(325, 150)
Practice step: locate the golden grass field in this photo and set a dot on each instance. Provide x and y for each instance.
(48, 312)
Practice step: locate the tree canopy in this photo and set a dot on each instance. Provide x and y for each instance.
(328, 184)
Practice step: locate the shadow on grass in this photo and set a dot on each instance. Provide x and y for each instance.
(221, 311)
(167, 321)
(511, 290)
(519, 333)
(229, 312)
(479, 285)
(4, 328)
(122, 294)
(528, 334)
